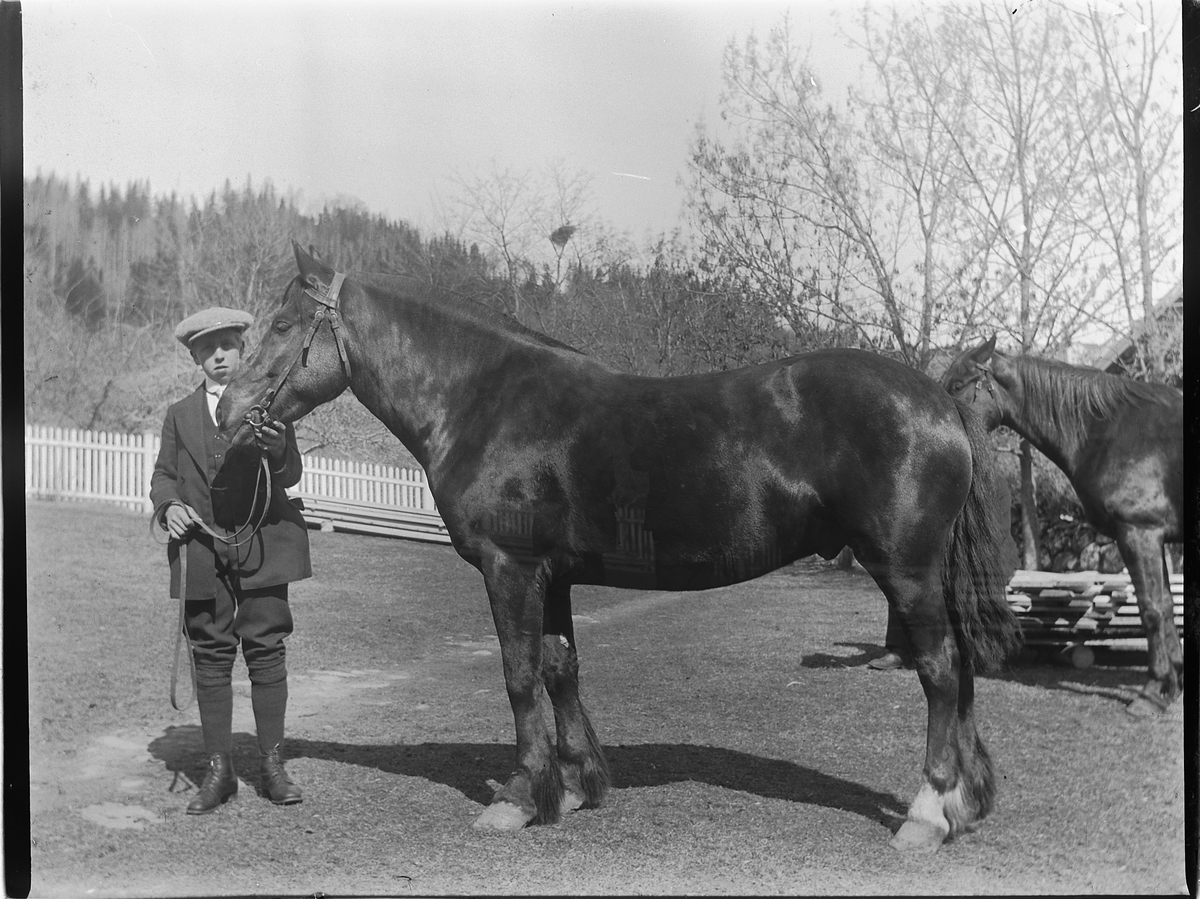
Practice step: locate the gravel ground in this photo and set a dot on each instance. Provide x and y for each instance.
(752, 752)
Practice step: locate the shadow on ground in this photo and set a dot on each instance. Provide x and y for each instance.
(466, 767)
(1117, 673)
(865, 652)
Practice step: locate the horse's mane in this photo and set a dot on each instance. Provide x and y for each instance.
(462, 305)
(1067, 398)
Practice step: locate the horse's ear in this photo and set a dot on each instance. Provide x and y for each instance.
(983, 352)
(302, 258)
(311, 270)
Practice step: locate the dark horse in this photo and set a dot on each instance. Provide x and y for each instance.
(551, 469)
(1120, 442)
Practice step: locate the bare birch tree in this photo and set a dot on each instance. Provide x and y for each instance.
(536, 224)
(840, 221)
(778, 203)
(1134, 156)
(912, 110)
(1020, 149)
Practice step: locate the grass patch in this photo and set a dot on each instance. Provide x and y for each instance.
(751, 749)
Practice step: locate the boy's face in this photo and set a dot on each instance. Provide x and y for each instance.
(218, 353)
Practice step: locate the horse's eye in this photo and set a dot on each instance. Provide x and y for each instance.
(956, 385)
(282, 326)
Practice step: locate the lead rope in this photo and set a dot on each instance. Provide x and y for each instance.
(232, 540)
(181, 635)
(255, 417)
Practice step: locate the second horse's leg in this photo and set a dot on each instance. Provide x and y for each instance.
(534, 791)
(581, 758)
(1142, 552)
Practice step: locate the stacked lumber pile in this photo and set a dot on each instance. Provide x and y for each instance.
(1060, 607)
(368, 518)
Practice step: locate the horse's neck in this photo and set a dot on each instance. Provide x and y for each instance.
(1062, 453)
(1038, 419)
(417, 364)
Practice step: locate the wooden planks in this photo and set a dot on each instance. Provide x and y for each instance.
(370, 518)
(1069, 607)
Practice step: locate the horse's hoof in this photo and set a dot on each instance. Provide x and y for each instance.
(573, 792)
(918, 836)
(503, 816)
(1144, 706)
(570, 801)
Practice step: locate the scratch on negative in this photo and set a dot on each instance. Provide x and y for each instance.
(139, 37)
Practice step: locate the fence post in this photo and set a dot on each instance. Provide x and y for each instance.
(29, 432)
(426, 496)
(149, 456)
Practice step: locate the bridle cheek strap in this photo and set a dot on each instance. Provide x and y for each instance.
(327, 298)
(983, 373)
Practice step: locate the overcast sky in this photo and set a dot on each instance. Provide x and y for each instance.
(386, 100)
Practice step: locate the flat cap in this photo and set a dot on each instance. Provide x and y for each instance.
(214, 318)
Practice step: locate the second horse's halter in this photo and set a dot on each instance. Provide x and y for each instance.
(982, 374)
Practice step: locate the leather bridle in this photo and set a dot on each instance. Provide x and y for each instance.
(982, 374)
(327, 299)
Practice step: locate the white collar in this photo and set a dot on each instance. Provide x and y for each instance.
(212, 387)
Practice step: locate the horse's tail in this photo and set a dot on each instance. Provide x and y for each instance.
(974, 574)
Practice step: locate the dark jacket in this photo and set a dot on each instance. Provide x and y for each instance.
(195, 467)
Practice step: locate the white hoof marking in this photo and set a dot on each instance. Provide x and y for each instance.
(571, 801)
(926, 828)
(918, 836)
(502, 816)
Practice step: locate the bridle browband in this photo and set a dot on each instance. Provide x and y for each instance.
(327, 297)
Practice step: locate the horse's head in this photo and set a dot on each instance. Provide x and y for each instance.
(302, 361)
(978, 378)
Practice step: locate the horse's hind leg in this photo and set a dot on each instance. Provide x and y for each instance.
(581, 758)
(534, 791)
(959, 787)
(1142, 552)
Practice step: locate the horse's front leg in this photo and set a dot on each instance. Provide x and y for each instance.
(534, 791)
(581, 758)
(1142, 552)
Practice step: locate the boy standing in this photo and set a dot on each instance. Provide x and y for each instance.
(236, 587)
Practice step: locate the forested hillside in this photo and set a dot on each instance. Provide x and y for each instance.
(110, 272)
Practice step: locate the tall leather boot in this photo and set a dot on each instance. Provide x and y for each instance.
(214, 698)
(220, 785)
(268, 696)
(274, 781)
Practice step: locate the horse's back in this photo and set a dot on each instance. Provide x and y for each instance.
(695, 481)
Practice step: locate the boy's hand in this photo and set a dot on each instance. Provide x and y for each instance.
(181, 519)
(271, 440)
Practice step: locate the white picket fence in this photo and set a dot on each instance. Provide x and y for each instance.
(364, 482)
(71, 464)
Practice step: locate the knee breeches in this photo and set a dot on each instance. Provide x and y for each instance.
(256, 620)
